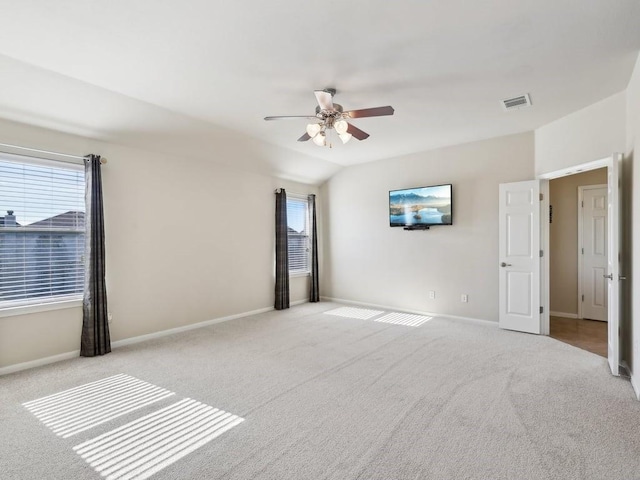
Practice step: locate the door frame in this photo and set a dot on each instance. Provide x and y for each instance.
(581, 189)
(544, 228)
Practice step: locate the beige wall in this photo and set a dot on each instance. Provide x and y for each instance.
(187, 240)
(368, 261)
(632, 217)
(563, 238)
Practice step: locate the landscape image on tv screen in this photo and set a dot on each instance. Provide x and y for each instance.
(420, 206)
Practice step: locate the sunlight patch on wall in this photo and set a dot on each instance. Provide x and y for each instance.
(145, 446)
(81, 408)
(407, 319)
(351, 312)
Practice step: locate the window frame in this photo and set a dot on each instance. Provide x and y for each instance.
(299, 198)
(46, 303)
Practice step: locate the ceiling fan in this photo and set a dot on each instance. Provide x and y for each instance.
(331, 116)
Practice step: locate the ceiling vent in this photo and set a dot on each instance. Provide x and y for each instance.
(516, 103)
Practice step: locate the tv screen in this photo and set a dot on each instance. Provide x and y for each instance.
(422, 206)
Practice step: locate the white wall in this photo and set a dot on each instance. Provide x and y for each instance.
(589, 134)
(368, 261)
(187, 240)
(632, 170)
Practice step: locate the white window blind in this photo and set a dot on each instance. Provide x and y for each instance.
(41, 231)
(298, 233)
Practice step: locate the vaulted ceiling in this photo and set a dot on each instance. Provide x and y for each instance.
(443, 65)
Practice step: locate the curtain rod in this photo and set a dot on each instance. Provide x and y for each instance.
(278, 190)
(102, 160)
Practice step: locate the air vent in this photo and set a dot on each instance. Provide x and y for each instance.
(516, 103)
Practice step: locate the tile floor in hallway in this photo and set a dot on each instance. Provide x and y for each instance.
(590, 335)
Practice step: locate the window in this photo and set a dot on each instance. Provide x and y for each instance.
(41, 231)
(298, 234)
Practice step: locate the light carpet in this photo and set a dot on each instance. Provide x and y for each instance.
(335, 397)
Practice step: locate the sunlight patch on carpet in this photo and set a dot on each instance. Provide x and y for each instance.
(81, 408)
(145, 446)
(407, 319)
(351, 312)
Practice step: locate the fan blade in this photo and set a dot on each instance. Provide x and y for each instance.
(370, 112)
(304, 137)
(324, 99)
(357, 133)
(288, 117)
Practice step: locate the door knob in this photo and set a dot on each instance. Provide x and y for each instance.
(503, 264)
(610, 276)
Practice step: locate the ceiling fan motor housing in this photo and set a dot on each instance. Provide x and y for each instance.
(329, 117)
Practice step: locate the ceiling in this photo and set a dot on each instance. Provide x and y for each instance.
(443, 65)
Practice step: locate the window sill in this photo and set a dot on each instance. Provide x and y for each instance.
(40, 307)
(299, 274)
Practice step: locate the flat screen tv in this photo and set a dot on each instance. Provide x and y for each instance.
(421, 207)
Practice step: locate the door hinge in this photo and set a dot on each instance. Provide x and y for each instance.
(541, 309)
(583, 298)
(583, 250)
(582, 204)
(541, 253)
(541, 196)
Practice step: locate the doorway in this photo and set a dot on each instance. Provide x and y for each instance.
(578, 260)
(523, 226)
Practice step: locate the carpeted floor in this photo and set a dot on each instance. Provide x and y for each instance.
(302, 394)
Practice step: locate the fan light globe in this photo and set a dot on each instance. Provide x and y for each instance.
(320, 139)
(345, 137)
(341, 127)
(313, 129)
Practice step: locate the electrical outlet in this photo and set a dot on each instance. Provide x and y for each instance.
(464, 298)
(432, 295)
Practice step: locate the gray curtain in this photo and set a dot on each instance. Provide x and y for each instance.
(282, 252)
(314, 288)
(95, 338)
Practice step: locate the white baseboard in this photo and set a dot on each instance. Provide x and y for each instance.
(563, 315)
(418, 312)
(636, 385)
(16, 367)
(130, 341)
(133, 340)
(634, 382)
(185, 328)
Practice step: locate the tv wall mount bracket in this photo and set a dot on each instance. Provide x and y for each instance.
(416, 227)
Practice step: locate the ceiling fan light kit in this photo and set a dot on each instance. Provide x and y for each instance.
(332, 116)
(313, 129)
(341, 126)
(320, 139)
(345, 137)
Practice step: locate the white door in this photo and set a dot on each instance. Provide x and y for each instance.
(613, 266)
(593, 281)
(519, 256)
